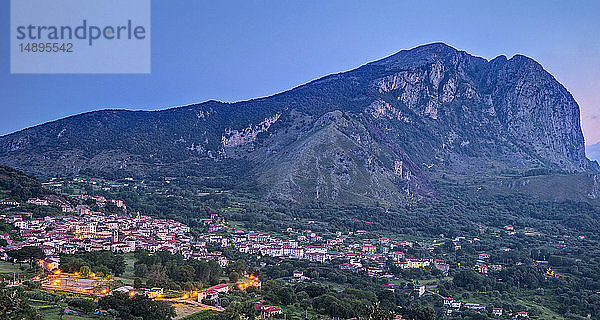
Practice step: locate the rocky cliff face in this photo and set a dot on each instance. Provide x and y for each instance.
(509, 103)
(376, 133)
(536, 109)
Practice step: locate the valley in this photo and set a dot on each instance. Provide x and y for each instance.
(488, 252)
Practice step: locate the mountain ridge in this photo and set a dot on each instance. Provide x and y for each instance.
(125, 109)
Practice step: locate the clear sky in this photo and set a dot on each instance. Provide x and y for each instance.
(233, 50)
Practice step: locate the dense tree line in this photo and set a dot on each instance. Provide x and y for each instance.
(20, 185)
(15, 305)
(99, 262)
(30, 254)
(136, 307)
(164, 269)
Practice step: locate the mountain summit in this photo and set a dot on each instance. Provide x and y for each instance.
(376, 133)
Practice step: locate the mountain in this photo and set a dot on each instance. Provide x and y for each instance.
(18, 186)
(593, 152)
(380, 133)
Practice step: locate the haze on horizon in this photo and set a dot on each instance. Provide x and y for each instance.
(238, 50)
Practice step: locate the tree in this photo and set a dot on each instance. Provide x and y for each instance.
(237, 308)
(101, 270)
(112, 312)
(118, 265)
(314, 290)
(374, 312)
(234, 277)
(185, 273)
(84, 271)
(14, 306)
(27, 253)
(140, 270)
(157, 275)
(330, 305)
(314, 274)
(285, 295)
(83, 304)
(70, 264)
(138, 282)
(240, 266)
(419, 312)
(139, 306)
(95, 259)
(215, 272)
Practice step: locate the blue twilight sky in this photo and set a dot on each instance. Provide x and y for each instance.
(234, 50)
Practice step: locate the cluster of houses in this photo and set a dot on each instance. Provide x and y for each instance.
(8, 202)
(452, 305)
(56, 183)
(86, 230)
(482, 266)
(35, 201)
(308, 245)
(89, 231)
(82, 229)
(38, 202)
(66, 206)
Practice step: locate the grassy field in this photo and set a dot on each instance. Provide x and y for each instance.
(546, 313)
(8, 267)
(128, 276)
(54, 312)
(527, 299)
(183, 310)
(129, 261)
